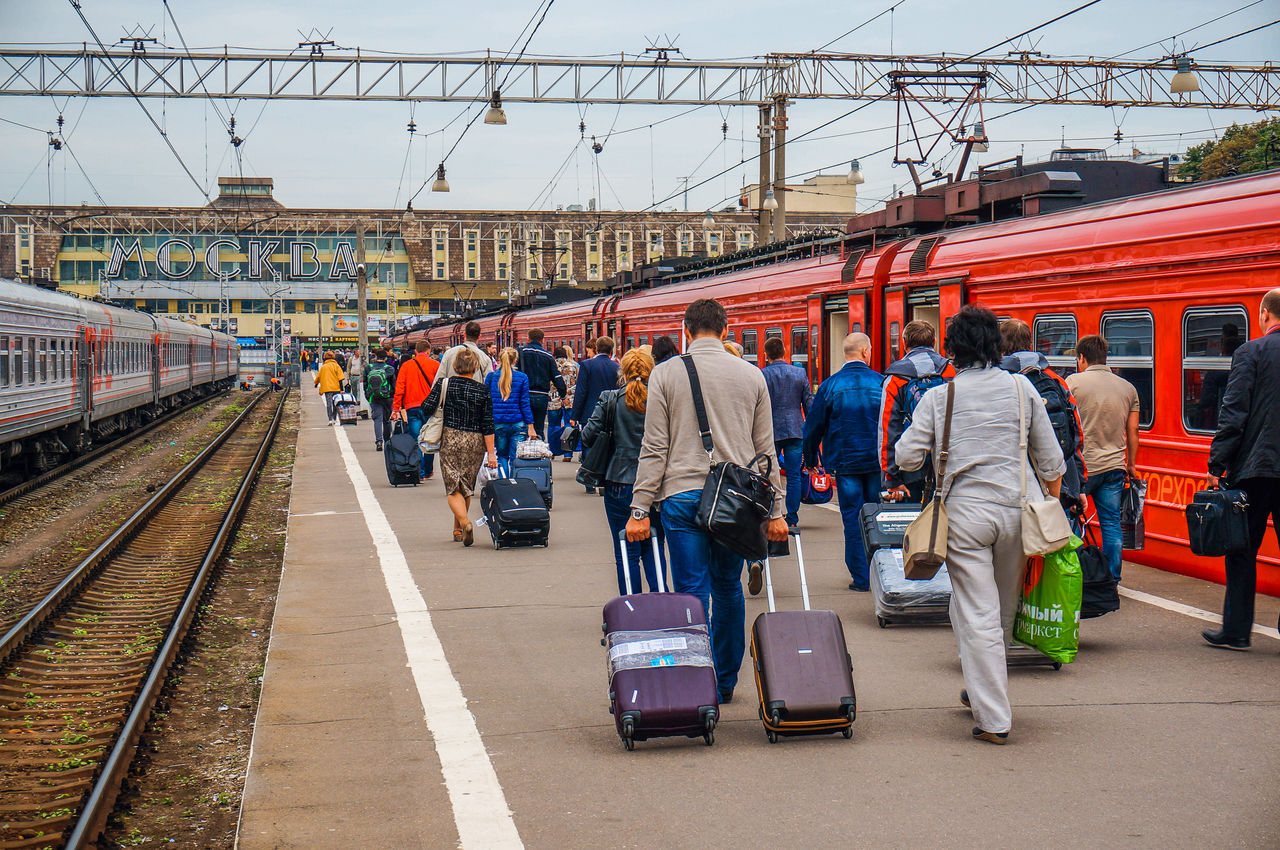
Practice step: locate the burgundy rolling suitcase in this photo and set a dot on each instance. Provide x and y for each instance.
(804, 674)
(662, 681)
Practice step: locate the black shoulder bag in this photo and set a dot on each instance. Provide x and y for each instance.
(595, 457)
(736, 500)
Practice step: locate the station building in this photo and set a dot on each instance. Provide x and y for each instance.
(249, 264)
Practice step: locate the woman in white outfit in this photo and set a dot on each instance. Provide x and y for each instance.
(983, 495)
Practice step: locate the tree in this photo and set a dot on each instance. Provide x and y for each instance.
(1253, 147)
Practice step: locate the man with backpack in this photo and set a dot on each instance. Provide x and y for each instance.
(1059, 402)
(380, 389)
(413, 385)
(920, 370)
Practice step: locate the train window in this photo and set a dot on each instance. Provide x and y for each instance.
(749, 344)
(730, 337)
(4, 361)
(773, 332)
(800, 346)
(1055, 338)
(1209, 337)
(17, 361)
(644, 340)
(1131, 343)
(631, 343)
(31, 360)
(44, 361)
(894, 333)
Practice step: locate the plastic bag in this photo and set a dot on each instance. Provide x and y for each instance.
(532, 449)
(1049, 614)
(486, 474)
(1133, 530)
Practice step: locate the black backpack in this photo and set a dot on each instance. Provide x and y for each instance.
(1058, 405)
(913, 390)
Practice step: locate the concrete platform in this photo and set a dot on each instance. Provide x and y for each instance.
(363, 738)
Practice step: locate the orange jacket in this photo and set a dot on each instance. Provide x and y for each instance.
(413, 385)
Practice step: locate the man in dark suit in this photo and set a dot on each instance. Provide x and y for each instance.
(1246, 453)
(595, 375)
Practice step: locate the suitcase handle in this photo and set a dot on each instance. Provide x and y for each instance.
(657, 562)
(804, 581)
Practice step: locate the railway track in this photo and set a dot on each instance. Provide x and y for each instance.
(32, 484)
(80, 673)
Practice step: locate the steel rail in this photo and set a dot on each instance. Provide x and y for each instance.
(83, 460)
(98, 805)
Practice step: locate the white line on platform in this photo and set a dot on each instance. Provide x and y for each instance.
(479, 806)
(326, 513)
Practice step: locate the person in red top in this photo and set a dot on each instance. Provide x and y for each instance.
(413, 385)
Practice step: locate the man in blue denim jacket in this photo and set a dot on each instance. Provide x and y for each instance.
(789, 397)
(842, 422)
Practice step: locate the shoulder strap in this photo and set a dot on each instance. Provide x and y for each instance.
(420, 369)
(699, 406)
(945, 452)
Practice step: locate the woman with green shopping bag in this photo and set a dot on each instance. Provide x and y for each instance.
(983, 492)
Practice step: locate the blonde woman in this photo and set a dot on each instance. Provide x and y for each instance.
(512, 413)
(622, 412)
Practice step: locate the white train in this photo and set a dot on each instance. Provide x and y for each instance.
(74, 372)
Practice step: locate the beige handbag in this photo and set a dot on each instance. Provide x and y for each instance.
(433, 429)
(1045, 527)
(924, 545)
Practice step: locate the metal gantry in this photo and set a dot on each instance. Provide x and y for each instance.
(1017, 78)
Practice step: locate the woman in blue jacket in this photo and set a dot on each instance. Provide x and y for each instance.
(512, 414)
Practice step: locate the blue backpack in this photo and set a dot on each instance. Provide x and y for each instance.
(914, 390)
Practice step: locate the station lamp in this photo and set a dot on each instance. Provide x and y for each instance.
(408, 218)
(979, 136)
(1185, 80)
(495, 114)
(708, 221)
(440, 184)
(855, 174)
(770, 202)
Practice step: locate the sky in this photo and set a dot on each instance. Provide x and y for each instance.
(343, 154)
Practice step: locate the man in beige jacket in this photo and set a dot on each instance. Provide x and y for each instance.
(673, 466)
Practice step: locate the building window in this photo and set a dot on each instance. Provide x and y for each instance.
(686, 243)
(564, 254)
(1209, 337)
(713, 243)
(440, 253)
(259, 305)
(593, 256)
(473, 239)
(472, 272)
(502, 271)
(745, 239)
(654, 238)
(440, 271)
(623, 240)
(1131, 344)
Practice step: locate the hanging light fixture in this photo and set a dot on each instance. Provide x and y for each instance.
(770, 202)
(496, 114)
(408, 217)
(1185, 80)
(440, 184)
(855, 174)
(708, 221)
(980, 138)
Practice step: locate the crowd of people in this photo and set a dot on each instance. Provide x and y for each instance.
(1011, 420)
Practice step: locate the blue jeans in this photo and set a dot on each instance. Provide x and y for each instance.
(380, 413)
(416, 421)
(790, 463)
(617, 507)
(1105, 489)
(557, 419)
(713, 574)
(853, 491)
(506, 436)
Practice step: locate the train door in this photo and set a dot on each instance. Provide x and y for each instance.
(84, 375)
(191, 363)
(835, 312)
(890, 334)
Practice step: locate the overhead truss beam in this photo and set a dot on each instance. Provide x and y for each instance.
(808, 76)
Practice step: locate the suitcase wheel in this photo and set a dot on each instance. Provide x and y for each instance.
(628, 733)
(882, 622)
(1057, 665)
(709, 726)
(848, 732)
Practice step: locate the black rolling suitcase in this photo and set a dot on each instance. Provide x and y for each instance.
(885, 523)
(402, 456)
(515, 512)
(804, 675)
(537, 470)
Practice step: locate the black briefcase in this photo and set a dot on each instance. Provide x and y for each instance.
(1218, 523)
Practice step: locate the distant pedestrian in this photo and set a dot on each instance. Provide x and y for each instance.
(414, 381)
(560, 407)
(842, 426)
(673, 468)
(1109, 413)
(341, 358)
(626, 409)
(919, 370)
(596, 375)
(329, 379)
(355, 374)
(512, 413)
(664, 349)
(1246, 452)
(471, 337)
(466, 439)
(380, 389)
(437, 353)
(406, 354)
(789, 397)
(986, 466)
(491, 349)
(544, 375)
(588, 350)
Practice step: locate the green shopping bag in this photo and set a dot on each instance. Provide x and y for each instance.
(1049, 614)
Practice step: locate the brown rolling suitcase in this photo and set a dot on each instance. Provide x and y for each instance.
(804, 674)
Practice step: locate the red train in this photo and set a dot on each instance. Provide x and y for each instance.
(1172, 279)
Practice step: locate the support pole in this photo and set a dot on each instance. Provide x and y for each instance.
(362, 310)
(780, 168)
(766, 137)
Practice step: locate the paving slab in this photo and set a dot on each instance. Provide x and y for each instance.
(1150, 739)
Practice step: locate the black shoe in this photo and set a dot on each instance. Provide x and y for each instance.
(755, 578)
(591, 491)
(1221, 641)
(990, 737)
(860, 588)
(726, 697)
(378, 446)
(964, 699)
